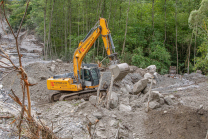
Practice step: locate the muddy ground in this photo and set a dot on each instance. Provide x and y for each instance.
(185, 118)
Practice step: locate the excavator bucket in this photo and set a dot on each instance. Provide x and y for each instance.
(119, 71)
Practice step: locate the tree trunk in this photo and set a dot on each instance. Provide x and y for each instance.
(165, 24)
(49, 32)
(195, 46)
(176, 35)
(153, 24)
(44, 53)
(65, 33)
(109, 12)
(189, 52)
(126, 29)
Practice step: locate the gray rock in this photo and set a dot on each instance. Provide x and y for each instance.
(1, 121)
(168, 100)
(145, 98)
(113, 100)
(139, 86)
(146, 89)
(58, 129)
(162, 101)
(155, 75)
(59, 60)
(129, 88)
(125, 108)
(123, 134)
(32, 80)
(53, 66)
(93, 99)
(154, 105)
(124, 90)
(98, 115)
(113, 123)
(43, 78)
(124, 100)
(148, 76)
(92, 119)
(199, 71)
(101, 134)
(154, 96)
(151, 68)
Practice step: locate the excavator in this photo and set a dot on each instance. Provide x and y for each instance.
(81, 83)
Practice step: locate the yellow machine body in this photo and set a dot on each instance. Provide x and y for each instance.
(76, 80)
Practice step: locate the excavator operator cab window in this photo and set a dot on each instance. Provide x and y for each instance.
(87, 76)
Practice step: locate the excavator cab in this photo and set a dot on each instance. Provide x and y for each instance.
(90, 75)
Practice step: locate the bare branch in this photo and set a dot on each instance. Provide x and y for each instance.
(2, 2)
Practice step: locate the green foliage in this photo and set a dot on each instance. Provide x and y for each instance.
(202, 60)
(72, 19)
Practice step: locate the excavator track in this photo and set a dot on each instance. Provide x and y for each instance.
(68, 96)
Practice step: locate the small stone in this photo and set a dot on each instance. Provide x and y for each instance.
(38, 112)
(93, 99)
(53, 66)
(98, 115)
(59, 60)
(125, 108)
(92, 119)
(168, 100)
(113, 123)
(172, 96)
(113, 100)
(165, 111)
(1, 121)
(43, 78)
(56, 130)
(114, 116)
(154, 105)
(201, 107)
(32, 80)
(57, 115)
(155, 96)
(162, 101)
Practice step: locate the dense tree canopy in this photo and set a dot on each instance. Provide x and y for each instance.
(157, 31)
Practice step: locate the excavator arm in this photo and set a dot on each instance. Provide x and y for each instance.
(86, 44)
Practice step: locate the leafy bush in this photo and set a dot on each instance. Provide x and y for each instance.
(202, 60)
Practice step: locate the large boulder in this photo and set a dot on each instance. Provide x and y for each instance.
(113, 100)
(148, 76)
(151, 68)
(139, 86)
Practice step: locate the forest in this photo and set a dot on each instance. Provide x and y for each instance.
(160, 32)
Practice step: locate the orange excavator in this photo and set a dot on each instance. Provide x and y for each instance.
(81, 83)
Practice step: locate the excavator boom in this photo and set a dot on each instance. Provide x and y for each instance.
(86, 44)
